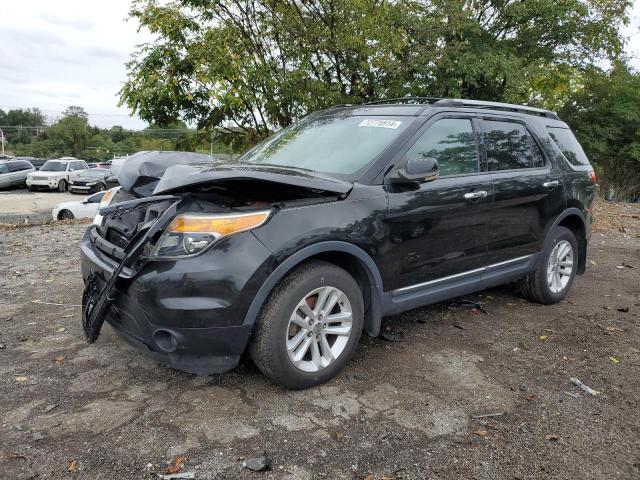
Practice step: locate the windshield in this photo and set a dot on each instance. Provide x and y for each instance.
(338, 145)
(52, 166)
(92, 173)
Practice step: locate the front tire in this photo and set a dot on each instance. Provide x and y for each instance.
(552, 277)
(65, 215)
(309, 327)
(62, 186)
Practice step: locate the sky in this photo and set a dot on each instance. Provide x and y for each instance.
(72, 52)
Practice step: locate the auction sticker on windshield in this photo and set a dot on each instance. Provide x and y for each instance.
(380, 123)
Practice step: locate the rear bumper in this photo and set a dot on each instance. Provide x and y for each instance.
(187, 314)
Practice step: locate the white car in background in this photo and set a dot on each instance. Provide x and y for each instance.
(55, 174)
(87, 208)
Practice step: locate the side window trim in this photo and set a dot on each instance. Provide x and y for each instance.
(496, 118)
(399, 158)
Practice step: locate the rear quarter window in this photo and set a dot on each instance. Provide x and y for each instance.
(568, 145)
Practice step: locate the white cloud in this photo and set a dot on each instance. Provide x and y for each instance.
(67, 52)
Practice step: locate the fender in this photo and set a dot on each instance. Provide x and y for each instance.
(373, 315)
(571, 211)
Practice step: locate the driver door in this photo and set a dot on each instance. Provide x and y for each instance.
(438, 229)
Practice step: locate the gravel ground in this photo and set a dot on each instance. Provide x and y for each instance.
(400, 410)
(19, 205)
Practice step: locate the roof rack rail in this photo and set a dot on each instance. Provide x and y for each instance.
(408, 100)
(507, 107)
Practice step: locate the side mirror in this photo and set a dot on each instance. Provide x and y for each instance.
(418, 170)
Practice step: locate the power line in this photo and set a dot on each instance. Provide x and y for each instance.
(145, 130)
(46, 110)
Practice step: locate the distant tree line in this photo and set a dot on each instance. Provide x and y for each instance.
(27, 134)
(248, 67)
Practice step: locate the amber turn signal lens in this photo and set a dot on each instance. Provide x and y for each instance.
(218, 224)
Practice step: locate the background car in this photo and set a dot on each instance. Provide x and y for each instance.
(13, 173)
(55, 174)
(92, 180)
(36, 162)
(86, 208)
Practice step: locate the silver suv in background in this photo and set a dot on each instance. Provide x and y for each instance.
(55, 174)
(13, 173)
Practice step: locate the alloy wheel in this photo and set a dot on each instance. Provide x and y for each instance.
(560, 266)
(319, 329)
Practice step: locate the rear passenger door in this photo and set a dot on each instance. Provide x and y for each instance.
(528, 191)
(439, 228)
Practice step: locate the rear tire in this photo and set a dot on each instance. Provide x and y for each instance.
(552, 277)
(62, 186)
(298, 342)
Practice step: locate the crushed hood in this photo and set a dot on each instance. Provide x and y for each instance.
(141, 171)
(181, 177)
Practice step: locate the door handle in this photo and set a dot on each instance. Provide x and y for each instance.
(551, 184)
(478, 194)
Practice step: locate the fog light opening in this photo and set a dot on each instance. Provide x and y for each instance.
(165, 341)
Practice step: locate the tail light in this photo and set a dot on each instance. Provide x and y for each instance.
(593, 178)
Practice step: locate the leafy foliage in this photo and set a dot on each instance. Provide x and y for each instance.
(250, 66)
(605, 116)
(27, 135)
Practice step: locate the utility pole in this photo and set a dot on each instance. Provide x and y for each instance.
(2, 137)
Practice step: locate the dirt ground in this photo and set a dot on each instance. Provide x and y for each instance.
(401, 409)
(19, 205)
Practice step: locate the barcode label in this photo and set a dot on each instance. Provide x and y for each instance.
(380, 123)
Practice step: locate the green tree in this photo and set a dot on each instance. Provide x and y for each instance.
(250, 66)
(75, 111)
(72, 130)
(605, 116)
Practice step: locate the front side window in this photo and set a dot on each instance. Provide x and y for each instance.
(95, 198)
(568, 145)
(452, 143)
(340, 144)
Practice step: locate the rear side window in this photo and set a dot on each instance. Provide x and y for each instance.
(568, 145)
(452, 143)
(19, 166)
(510, 146)
(4, 168)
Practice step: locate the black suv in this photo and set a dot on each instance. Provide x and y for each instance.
(351, 214)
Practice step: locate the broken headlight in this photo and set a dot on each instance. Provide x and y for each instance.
(190, 234)
(107, 198)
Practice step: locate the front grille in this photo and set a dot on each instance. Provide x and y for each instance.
(80, 184)
(38, 178)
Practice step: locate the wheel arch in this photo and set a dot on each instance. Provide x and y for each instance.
(574, 220)
(345, 255)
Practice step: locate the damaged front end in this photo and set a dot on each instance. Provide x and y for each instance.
(163, 271)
